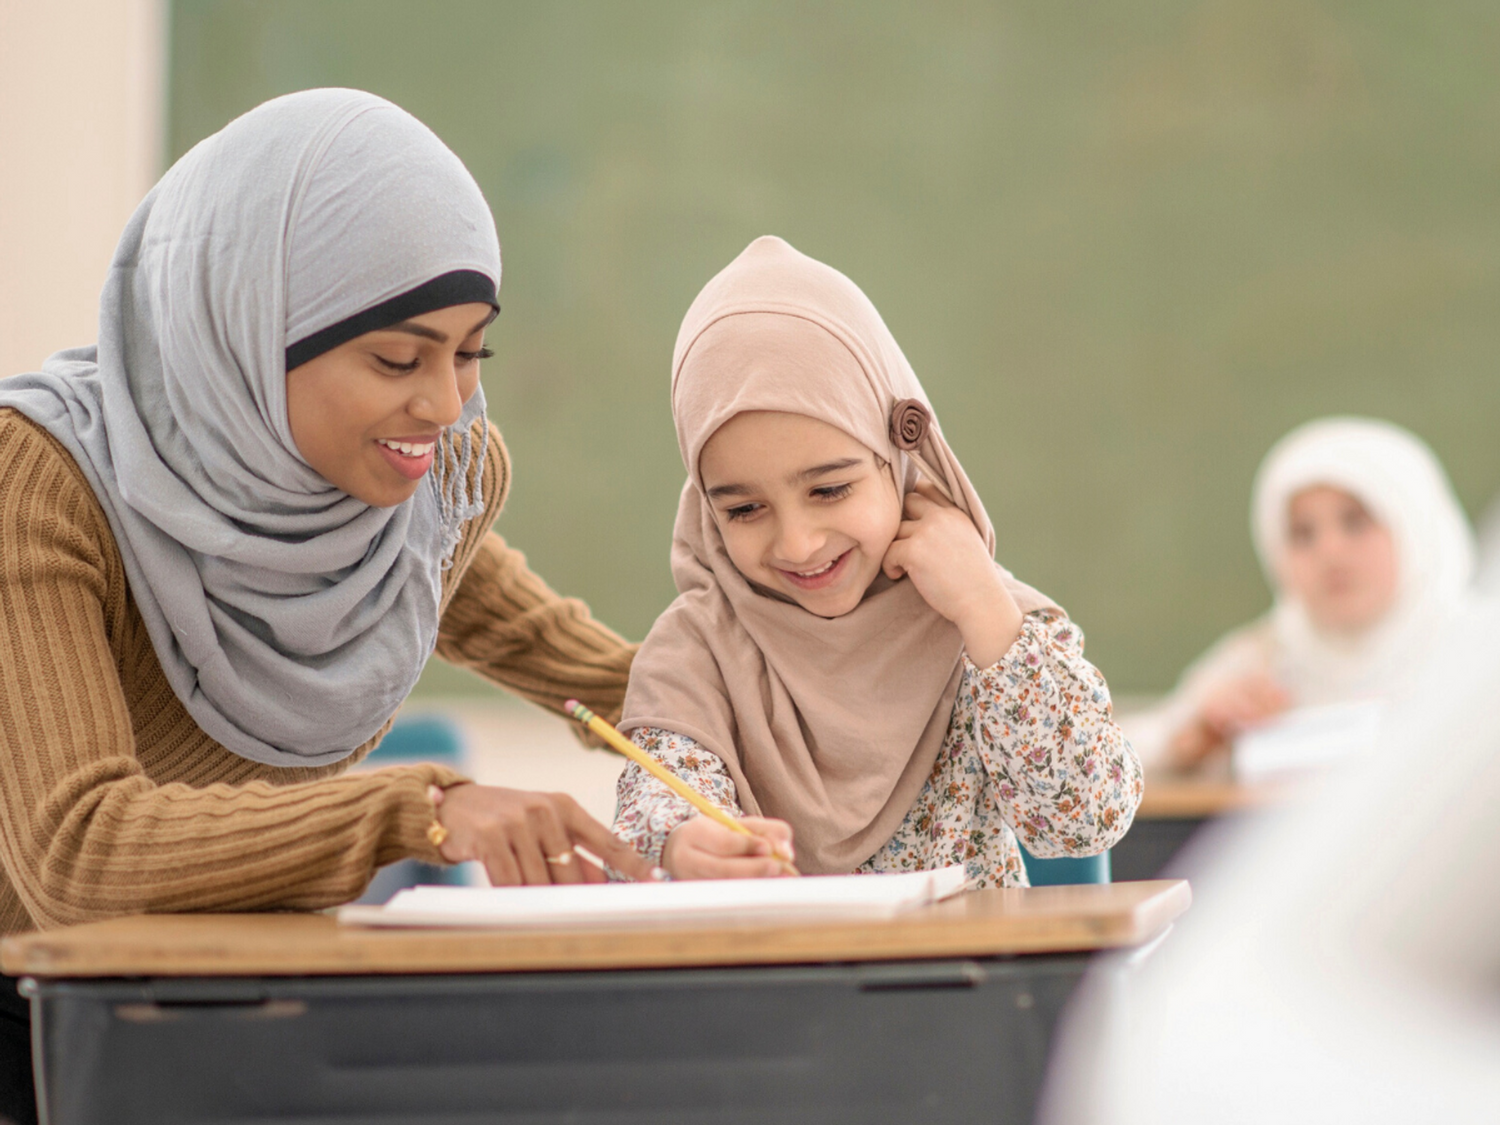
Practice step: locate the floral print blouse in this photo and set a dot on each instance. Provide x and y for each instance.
(1032, 751)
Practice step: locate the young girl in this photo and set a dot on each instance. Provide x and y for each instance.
(1369, 556)
(846, 665)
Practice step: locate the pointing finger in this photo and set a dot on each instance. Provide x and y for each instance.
(599, 840)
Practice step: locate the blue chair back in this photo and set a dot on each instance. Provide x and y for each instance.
(422, 738)
(1066, 869)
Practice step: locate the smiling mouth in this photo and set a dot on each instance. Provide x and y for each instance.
(408, 448)
(410, 459)
(820, 576)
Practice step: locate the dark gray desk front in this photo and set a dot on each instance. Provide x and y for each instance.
(928, 1042)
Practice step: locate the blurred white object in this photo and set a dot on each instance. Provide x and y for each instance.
(1342, 958)
(1487, 576)
(1307, 739)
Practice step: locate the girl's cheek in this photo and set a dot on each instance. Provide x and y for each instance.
(877, 536)
(889, 525)
(742, 550)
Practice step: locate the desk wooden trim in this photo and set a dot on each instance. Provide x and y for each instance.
(1183, 797)
(982, 923)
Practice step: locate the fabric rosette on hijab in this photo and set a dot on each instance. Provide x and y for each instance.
(1401, 483)
(832, 724)
(290, 618)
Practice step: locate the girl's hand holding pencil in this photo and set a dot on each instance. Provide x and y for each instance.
(704, 849)
(707, 850)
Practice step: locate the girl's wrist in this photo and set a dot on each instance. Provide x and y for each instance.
(990, 625)
(989, 633)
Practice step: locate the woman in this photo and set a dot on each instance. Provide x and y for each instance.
(1370, 557)
(231, 535)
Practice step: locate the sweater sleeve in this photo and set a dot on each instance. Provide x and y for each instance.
(1067, 779)
(505, 623)
(84, 832)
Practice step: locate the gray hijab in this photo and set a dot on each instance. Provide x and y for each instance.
(290, 618)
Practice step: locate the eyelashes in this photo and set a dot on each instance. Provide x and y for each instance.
(464, 359)
(398, 368)
(828, 493)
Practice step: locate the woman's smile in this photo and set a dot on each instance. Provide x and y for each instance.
(409, 456)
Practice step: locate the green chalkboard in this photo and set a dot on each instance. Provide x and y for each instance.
(1125, 246)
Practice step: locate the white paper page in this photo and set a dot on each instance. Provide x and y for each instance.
(835, 896)
(1306, 739)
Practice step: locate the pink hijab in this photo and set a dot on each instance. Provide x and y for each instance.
(832, 724)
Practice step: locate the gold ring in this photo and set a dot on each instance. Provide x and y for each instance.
(561, 860)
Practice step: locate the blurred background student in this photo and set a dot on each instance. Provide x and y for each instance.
(1369, 557)
(1340, 961)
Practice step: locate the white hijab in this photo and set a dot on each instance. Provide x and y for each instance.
(290, 618)
(1402, 484)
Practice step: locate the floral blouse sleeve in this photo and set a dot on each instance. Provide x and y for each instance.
(646, 811)
(1042, 723)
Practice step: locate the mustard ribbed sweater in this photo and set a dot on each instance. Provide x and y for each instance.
(113, 801)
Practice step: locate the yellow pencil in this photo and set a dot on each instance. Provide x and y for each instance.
(607, 732)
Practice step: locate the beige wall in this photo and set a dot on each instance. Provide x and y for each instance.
(81, 114)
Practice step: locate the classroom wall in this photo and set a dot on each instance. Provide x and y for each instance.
(1126, 246)
(81, 114)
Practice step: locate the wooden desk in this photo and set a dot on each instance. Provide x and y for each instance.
(1173, 808)
(981, 924)
(1179, 796)
(941, 1015)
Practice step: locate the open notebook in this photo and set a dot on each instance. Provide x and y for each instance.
(602, 904)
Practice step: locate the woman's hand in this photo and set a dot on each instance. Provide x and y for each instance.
(523, 837)
(1229, 709)
(704, 849)
(940, 549)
